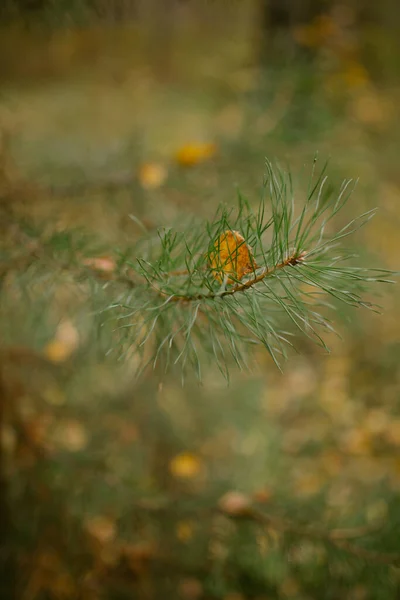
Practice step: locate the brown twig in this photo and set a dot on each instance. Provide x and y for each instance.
(292, 260)
(334, 538)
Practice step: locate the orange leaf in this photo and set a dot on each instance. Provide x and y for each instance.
(231, 256)
(192, 154)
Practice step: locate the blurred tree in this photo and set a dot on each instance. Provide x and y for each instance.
(280, 17)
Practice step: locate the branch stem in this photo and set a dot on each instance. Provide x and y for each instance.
(292, 260)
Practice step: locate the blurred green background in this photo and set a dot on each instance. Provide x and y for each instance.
(163, 109)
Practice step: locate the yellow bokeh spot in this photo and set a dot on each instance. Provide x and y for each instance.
(185, 530)
(185, 465)
(152, 175)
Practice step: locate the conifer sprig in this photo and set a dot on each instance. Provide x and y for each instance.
(217, 289)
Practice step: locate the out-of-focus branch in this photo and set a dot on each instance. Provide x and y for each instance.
(336, 537)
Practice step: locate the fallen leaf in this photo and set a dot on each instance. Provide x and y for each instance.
(262, 495)
(101, 528)
(231, 257)
(152, 175)
(289, 588)
(192, 154)
(316, 34)
(71, 435)
(64, 344)
(185, 465)
(393, 432)
(355, 74)
(190, 589)
(8, 439)
(104, 264)
(57, 352)
(371, 108)
(308, 484)
(137, 556)
(235, 504)
(357, 441)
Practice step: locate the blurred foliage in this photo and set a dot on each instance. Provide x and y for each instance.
(279, 486)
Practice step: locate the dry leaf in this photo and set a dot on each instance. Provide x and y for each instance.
(64, 344)
(190, 589)
(308, 484)
(355, 74)
(192, 154)
(101, 528)
(392, 433)
(231, 256)
(71, 435)
(152, 175)
(235, 504)
(262, 495)
(371, 108)
(104, 264)
(137, 556)
(8, 439)
(289, 588)
(316, 34)
(357, 441)
(185, 465)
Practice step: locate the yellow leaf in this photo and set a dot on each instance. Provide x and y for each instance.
(152, 175)
(232, 257)
(185, 465)
(57, 351)
(64, 344)
(192, 154)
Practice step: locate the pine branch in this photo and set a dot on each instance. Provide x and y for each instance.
(333, 538)
(220, 287)
(242, 287)
(215, 290)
